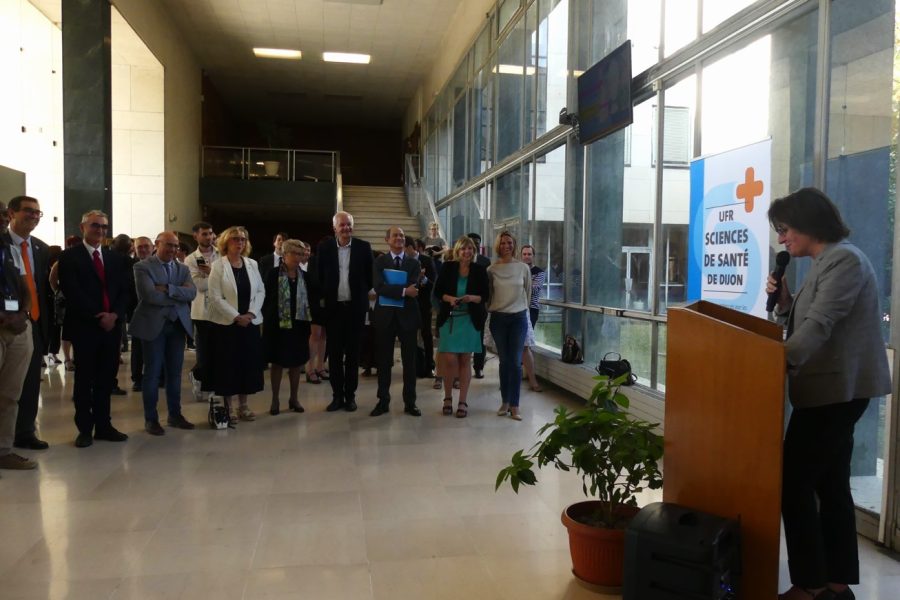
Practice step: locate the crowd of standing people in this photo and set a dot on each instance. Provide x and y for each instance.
(299, 311)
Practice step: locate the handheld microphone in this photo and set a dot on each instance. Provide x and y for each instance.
(781, 262)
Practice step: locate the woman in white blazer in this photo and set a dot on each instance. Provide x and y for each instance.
(235, 295)
(836, 362)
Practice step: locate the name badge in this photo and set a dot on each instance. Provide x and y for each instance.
(10, 305)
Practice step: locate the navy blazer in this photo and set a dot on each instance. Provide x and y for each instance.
(360, 279)
(41, 271)
(81, 286)
(477, 285)
(409, 316)
(155, 306)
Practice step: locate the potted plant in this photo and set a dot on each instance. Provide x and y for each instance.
(616, 456)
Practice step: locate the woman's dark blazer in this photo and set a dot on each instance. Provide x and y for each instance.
(270, 305)
(477, 285)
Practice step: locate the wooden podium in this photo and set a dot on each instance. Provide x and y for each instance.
(724, 425)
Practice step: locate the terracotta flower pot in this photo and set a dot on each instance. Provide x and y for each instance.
(598, 554)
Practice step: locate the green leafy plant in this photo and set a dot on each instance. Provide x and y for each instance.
(615, 454)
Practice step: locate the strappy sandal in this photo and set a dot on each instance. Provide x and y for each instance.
(462, 409)
(438, 383)
(324, 374)
(448, 407)
(309, 378)
(70, 365)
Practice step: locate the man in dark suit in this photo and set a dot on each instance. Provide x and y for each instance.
(428, 274)
(272, 261)
(162, 323)
(143, 249)
(484, 261)
(392, 322)
(94, 284)
(33, 256)
(345, 275)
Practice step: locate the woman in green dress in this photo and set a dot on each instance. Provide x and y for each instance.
(462, 289)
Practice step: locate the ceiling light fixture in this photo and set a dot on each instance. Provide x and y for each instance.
(346, 57)
(277, 53)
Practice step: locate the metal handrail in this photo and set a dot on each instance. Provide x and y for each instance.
(289, 158)
(418, 198)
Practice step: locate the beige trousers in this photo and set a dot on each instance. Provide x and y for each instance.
(15, 354)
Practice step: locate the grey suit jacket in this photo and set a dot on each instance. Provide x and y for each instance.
(835, 350)
(154, 306)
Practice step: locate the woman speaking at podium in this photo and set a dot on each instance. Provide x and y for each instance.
(836, 362)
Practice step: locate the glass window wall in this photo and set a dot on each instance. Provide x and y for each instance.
(510, 78)
(551, 63)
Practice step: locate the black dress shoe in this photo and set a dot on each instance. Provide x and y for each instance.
(350, 405)
(295, 406)
(154, 428)
(413, 410)
(117, 391)
(380, 409)
(83, 440)
(479, 374)
(335, 405)
(31, 443)
(179, 422)
(110, 435)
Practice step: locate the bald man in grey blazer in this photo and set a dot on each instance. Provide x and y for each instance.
(162, 321)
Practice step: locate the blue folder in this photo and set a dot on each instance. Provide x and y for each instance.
(393, 277)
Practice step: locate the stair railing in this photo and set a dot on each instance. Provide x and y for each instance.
(421, 204)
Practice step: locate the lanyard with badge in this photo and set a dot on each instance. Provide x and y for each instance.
(10, 302)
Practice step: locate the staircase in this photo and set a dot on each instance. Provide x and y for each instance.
(374, 209)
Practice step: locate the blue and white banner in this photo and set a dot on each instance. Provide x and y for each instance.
(728, 251)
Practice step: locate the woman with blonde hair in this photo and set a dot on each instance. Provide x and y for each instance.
(462, 290)
(235, 297)
(286, 311)
(510, 292)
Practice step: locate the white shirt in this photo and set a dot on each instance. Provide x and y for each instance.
(91, 250)
(343, 294)
(16, 249)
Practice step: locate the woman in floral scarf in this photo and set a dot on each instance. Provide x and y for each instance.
(286, 313)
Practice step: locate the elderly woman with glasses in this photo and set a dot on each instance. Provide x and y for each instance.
(836, 362)
(235, 297)
(286, 311)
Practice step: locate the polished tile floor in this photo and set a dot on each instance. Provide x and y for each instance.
(319, 505)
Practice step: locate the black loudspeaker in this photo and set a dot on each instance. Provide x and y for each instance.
(676, 553)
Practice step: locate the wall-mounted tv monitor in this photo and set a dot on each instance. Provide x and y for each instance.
(604, 96)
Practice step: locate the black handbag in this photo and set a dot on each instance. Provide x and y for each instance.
(616, 367)
(571, 351)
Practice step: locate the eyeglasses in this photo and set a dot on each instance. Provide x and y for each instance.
(31, 211)
(237, 239)
(781, 230)
(98, 226)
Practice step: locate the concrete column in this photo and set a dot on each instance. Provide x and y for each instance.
(87, 109)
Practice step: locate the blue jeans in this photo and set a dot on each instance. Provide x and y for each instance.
(509, 331)
(167, 349)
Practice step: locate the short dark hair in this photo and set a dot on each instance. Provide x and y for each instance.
(410, 242)
(474, 236)
(809, 211)
(420, 244)
(15, 203)
(283, 235)
(200, 225)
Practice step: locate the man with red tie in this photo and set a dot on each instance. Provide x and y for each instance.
(93, 280)
(33, 257)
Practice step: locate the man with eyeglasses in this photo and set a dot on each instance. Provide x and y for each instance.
(33, 257)
(92, 278)
(15, 346)
(162, 323)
